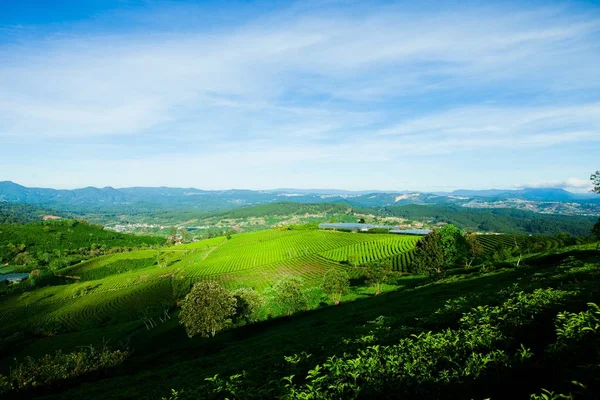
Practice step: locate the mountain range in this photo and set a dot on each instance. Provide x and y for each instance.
(553, 200)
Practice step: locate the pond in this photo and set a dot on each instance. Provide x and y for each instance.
(13, 277)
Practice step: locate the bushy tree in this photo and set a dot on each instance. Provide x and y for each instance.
(207, 309)
(378, 273)
(596, 181)
(429, 255)
(595, 178)
(453, 243)
(247, 305)
(289, 295)
(475, 248)
(596, 232)
(335, 284)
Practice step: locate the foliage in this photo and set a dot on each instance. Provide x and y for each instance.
(596, 230)
(429, 256)
(472, 358)
(474, 248)
(207, 309)
(509, 221)
(51, 369)
(454, 245)
(595, 178)
(64, 237)
(289, 295)
(247, 305)
(336, 283)
(342, 331)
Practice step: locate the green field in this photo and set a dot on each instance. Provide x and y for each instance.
(113, 297)
(116, 288)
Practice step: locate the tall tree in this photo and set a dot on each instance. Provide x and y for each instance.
(454, 245)
(596, 181)
(596, 232)
(475, 248)
(595, 177)
(429, 256)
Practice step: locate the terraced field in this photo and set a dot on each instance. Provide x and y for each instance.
(491, 243)
(122, 287)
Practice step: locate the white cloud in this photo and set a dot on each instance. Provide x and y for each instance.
(306, 86)
(570, 184)
(104, 85)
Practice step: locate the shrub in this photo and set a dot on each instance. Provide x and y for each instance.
(52, 368)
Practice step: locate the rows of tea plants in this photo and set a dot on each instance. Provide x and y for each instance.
(113, 288)
(379, 249)
(402, 262)
(105, 260)
(492, 243)
(251, 251)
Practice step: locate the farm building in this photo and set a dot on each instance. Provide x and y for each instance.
(351, 226)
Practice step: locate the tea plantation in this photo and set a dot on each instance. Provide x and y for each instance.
(359, 349)
(116, 288)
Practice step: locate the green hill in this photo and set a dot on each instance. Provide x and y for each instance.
(515, 309)
(496, 220)
(36, 242)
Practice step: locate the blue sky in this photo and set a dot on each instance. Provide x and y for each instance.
(332, 94)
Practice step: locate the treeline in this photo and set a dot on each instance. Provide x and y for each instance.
(496, 220)
(39, 243)
(14, 213)
(286, 208)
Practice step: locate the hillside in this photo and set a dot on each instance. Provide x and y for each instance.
(118, 286)
(496, 220)
(18, 213)
(160, 199)
(39, 242)
(165, 359)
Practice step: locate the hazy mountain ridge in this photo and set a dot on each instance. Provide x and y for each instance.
(545, 200)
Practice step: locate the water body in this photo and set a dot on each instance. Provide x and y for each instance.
(17, 276)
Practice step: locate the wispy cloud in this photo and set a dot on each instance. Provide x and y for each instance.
(570, 184)
(312, 84)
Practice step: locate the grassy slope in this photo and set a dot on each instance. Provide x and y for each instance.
(165, 358)
(114, 289)
(65, 235)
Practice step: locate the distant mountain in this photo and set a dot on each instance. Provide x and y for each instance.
(149, 199)
(533, 194)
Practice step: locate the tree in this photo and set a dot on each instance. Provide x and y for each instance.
(289, 296)
(185, 235)
(207, 309)
(377, 274)
(596, 232)
(475, 248)
(362, 221)
(335, 284)
(247, 305)
(429, 256)
(595, 178)
(454, 245)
